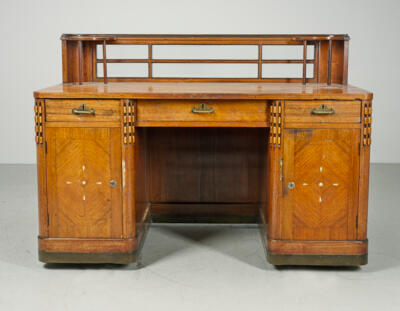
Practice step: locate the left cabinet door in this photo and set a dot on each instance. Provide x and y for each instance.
(84, 182)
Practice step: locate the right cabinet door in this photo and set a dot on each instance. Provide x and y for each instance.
(320, 184)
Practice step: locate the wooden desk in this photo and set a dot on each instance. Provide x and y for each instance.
(114, 156)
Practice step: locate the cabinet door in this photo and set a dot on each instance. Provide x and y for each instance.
(84, 182)
(320, 184)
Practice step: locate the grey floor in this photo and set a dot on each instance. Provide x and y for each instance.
(195, 267)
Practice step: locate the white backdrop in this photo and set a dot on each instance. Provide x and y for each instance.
(30, 53)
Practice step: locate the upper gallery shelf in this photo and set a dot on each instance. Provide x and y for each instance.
(205, 58)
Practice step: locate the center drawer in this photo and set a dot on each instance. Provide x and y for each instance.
(202, 112)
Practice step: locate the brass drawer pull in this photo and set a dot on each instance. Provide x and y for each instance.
(202, 108)
(323, 109)
(83, 109)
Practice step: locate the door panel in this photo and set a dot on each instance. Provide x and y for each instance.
(81, 164)
(323, 165)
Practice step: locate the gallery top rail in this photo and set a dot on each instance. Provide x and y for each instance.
(327, 64)
(245, 38)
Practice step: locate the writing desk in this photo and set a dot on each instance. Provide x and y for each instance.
(291, 154)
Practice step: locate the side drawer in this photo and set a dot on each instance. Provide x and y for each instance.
(323, 111)
(82, 110)
(217, 112)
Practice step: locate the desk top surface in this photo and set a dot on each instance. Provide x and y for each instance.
(203, 90)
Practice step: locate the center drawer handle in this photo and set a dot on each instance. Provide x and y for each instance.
(323, 109)
(202, 108)
(83, 109)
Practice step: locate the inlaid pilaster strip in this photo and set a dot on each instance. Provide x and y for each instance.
(367, 124)
(39, 120)
(276, 124)
(128, 121)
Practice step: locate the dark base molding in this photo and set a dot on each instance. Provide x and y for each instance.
(317, 260)
(89, 258)
(121, 258)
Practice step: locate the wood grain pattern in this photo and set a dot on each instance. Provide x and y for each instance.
(181, 111)
(275, 133)
(203, 90)
(128, 161)
(144, 151)
(42, 191)
(85, 124)
(317, 247)
(337, 73)
(367, 122)
(81, 165)
(274, 177)
(344, 112)
(323, 164)
(61, 110)
(87, 245)
(128, 121)
(325, 125)
(205, 165)
(199, 160)
(40, 139)
(245, 124)
(362, 219)
(188, 38)
(141, 171)
(80, 59)
(39, 110)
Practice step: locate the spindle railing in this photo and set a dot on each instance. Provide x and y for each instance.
(329, 59)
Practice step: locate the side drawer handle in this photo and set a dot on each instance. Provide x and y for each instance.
(83, 109)
(323, 109)
(202, 108)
